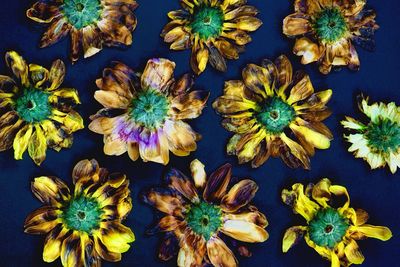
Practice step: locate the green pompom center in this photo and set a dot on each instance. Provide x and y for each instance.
(327, 228)
(149, 108)
(82, 214)
(207, 22)
(204, 219)
(330, 25)
(81, 13)
(384, 136)
(33, 105)
(275, 115)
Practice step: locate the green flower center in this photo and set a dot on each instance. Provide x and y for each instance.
(204, 219)
(330, 25)
(82, 214)
(327, 228)
(275, 115)
(149, 108)
(81, 13)
(207, 22)
(33, 105)
(384, 135)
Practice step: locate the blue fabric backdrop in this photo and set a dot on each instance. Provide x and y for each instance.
(375, 191)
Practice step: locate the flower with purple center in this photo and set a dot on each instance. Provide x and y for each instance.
(144, 113)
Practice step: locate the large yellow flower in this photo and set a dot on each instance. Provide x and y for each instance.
(83, 226)
(327, 29)
(266, 106)
(35, 113)
(332, 232)
(214, 30)
(144, 113)
(197, 211)
(92, 24)
(378, 140)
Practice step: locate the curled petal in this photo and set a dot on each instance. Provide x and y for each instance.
(239, 195)
(56, 75)
(309, 51)
(292, 236)
(366, 230)
(157, 74)
(38, 145)
(43, 12)
(58, 29)
(18, 67)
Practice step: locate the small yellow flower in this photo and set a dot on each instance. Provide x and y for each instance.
(378, 140)
(83, 226)
(332, 232)
(36, 113)
(145, 113)
(270, 106)
(92, 24)
(199, 210)
(326, 31)
(213, 30)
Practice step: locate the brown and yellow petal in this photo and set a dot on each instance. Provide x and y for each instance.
(115, 236)
(189, 106)
(239, 195)
(42, 220)
(86, 168)
(57, 30)
(367, 230)
(115, 32)
(164, 200)
(38, 75)
(244, 231)
(219, 254)
(37, 145)
(158, 74)
(103, 251)
(292, 236)
(53, 242)
(73, 249)
(50, 190)
(18, 66)
(56, 75)
(308, 50)
(155, 148)
(353, 252)
(296, 154)
(168, 247)
(217, 183)
(296, 24)
(250, 214)
(181, 137)
(21, 141)
(111, 99)
(43, 12)
(198, 173)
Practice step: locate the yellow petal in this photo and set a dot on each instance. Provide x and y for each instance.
(18, 66)
(57, 74)
(21, 141)
(292, 237)
(378, 232)
(317, 139)
(39, 74)
(38, 145)
(219, 254)
(198, 173)
(52, 245)
(353, 252)
(116, 237)
(244, 231)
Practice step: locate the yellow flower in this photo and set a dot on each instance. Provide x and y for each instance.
(378, 140)
(83, 226)
(267, 106)
(326, 31)
(144, 114)
(213, 30)
(36, 113)
(332, 232)
(197, 211)
(92, 24)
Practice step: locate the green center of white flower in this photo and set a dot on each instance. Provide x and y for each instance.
(384, 135)
(327, 228)
(207, 22)
(81, 13)
(149, 108)
(33, 105)
(275, 115)
(204, 219)
(82, 214)
(330, 25)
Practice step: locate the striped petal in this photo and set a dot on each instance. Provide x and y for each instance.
(179, 182)
(50, 190)
(42, 220)
(239, 195)
(115, 236)
(53, 242)
(217, 183)
(164, 200)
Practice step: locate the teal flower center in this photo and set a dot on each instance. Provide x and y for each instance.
(207, 22)
(204, 219)
(384, 135)
(33, 105)
(149, 108)
(275, 115)
(330, 25)
(82, 214)
(327, 228)
(81, 13)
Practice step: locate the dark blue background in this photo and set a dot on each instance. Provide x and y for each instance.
(375, 191)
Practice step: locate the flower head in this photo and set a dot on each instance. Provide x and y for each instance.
(327, 30)
(36, 113)
(198, 210)
(213, 30)
(92, 24)
(332, 232)
(378, 140)
(143, 113)
(266, 106)
(83, 226)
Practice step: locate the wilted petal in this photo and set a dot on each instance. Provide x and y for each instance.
(239, 195)
(217, 183)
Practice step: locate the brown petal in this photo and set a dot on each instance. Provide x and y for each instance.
(181, 138)
(85, 168)
(257, 79)
(164, 200)
(227, 49)
(353, 253)
(115, 33)
(285, 71)
(216, 59)
(302, 88)
(244, 10)
(58, 29)
(309, 51)
(119, 78)
(179, 182)
(91, 41)
(43, 12)
(111, 99)
(189, 106)
(50, 190)
(76, 40)
(168, 223)
(184, 84)
(42, 220)
(217, 183)
(239, 195)
(168, 247)
(158, 74)
(251, 215)
(219, 254)
(296, 24)
(240, 37)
